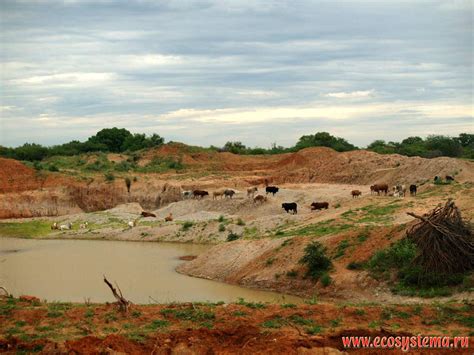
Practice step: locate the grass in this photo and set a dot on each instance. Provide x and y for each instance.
(190, 314)
(29, 229)
(253, 305)
(317, 229)
(341, 248)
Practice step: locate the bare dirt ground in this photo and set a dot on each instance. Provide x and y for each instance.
(242, 328)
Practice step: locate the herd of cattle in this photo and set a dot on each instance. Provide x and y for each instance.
(397, 191)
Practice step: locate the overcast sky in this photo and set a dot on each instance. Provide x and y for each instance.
(259, 71)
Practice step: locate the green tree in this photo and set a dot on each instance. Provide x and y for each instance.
(235, 147)
(324, 139)
(112, 138)
(446, 146)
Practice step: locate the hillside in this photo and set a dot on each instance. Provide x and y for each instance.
(26, 192)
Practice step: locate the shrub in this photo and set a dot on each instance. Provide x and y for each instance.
(53, 168)
(325, 279)
(292, 273)
(109, 177)
(232, 236)
(315, 259)
(240, 222)
(221, 227)
(354, 265)
(187, 225)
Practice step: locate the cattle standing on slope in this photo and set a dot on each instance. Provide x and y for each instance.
(271, 190)
(259, 199)
(200, 194)
(378, 188)
(217, 193)
(355, 193)
(413, 189)
(251, 191)
(319, 205)
(147, 214)
(229, 193)
(449, 178)
(290, 206)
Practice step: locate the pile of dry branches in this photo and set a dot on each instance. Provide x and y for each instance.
(445, 242)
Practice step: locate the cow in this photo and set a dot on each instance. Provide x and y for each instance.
(319, 205)
(259, 199)
(131, 224)
(229, 193)
(54, 225)
(65, 226)
(399, 190)
(83, 225)
(251, 191)
(148, 214)
(449, 178)
(437, 179)
(413, 189)
(217, 193)
(378, 188)
(187, 194)
(290, 206)
(271, 189)
(355, 193)
(200, 193)
(169, 218)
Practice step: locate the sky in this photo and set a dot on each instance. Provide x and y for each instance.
(210, 71)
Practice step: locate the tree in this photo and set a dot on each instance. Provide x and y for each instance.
(112, 138)
(235, 147)
(445, 145)
(324, 139)
(139, 141)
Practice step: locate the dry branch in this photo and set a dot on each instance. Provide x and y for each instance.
(123, 303)
(445, 241)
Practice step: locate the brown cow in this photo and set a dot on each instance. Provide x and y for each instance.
(378, 188)
(169, 218)
(319, 205)
(200, 193)
(356, 193)
(148, 214)
(259, 199)
(251, 191)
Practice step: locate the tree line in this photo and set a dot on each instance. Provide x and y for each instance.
(120, 140)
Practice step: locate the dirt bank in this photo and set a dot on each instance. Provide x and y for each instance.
(57, 328)
(25, 192)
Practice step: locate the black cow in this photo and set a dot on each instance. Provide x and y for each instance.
(290, 206)
(437, 179)
(229, 193)
(319, 205)
(200, 193)
(413, 190)
(271, 189)
(449, 178)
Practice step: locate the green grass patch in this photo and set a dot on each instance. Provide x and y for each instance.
(317, 229)
(29, 229)
(253, 305)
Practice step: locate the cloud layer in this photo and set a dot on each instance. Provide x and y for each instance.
(208, 71)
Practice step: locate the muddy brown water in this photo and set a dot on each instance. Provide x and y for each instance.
(72, 270)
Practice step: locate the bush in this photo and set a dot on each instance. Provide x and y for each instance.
(354, 265)
(315, 259)
(399, 255)
(187, 225)
(240, 222)
(109, 177)
(221, 227)
(232, 236)
(325, 279)
(53, 168)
